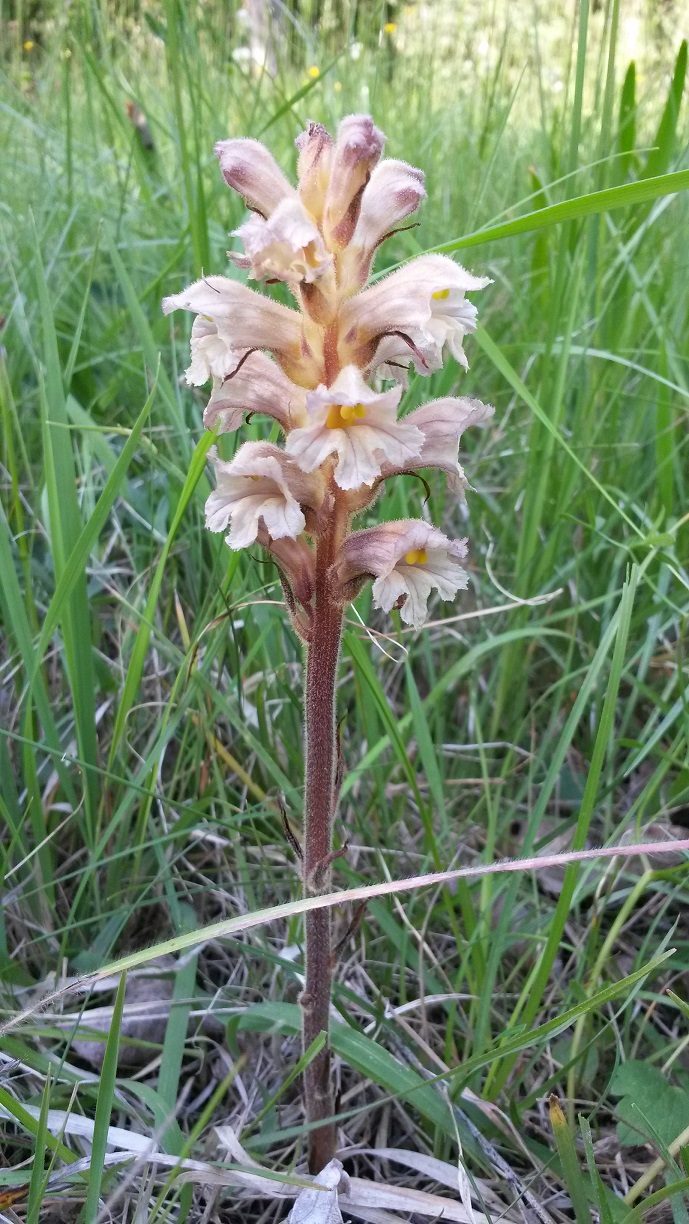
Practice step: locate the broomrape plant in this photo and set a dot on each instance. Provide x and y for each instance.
(318, 371)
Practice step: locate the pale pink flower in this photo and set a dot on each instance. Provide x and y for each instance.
(417, 313)
(249, 169)
(358, 147)
(358, 425)
(260, 487)
(394, 191)
(286, 247)
(259, 385)
(407, 560)
(315, 147)
(233, 319)
(442, 423)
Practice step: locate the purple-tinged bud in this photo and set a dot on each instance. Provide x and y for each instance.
(357, 150)
(249, 169)
(315, 147)
(393, 192)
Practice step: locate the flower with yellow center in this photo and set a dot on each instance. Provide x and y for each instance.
(357, 424)
(341, 415)
(407, 559)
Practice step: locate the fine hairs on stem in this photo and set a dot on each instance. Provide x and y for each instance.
(331, 373)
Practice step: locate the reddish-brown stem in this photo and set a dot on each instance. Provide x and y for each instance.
(319, 801)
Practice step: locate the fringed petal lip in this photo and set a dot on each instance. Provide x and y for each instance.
(407, 559)
(356, 424)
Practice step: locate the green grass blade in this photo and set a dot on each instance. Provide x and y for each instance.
(104, 1105)
(136, 663)
(570, 1163)
(38, 1178)
(75, 563)
(532, 993)
(176, 1035)
(595, 202)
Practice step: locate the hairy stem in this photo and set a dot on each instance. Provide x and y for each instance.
(319, 802)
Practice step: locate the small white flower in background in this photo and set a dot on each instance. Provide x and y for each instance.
(309, 369)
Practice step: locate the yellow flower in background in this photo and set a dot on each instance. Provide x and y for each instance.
(29, 45)
(314, 72)
(337, 86)
(390, 27)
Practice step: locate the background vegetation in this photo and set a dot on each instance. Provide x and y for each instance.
(149, 681)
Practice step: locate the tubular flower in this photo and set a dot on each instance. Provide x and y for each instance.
(359, 426)
(395, 190)
(286, 247)
(259, 385)
(416, 314)
(261, 487)
(233, 321)
(442, 423)
(407, 560)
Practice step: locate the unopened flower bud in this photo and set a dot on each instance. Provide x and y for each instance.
(250, 170)
(315, 147)
(394, 191)
(357, 150)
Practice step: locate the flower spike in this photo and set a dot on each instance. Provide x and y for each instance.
(314, 371)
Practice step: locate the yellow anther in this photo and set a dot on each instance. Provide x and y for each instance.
(342, 415)
(416, 556)
(251, 477)
(440, 295)
(311, 255)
